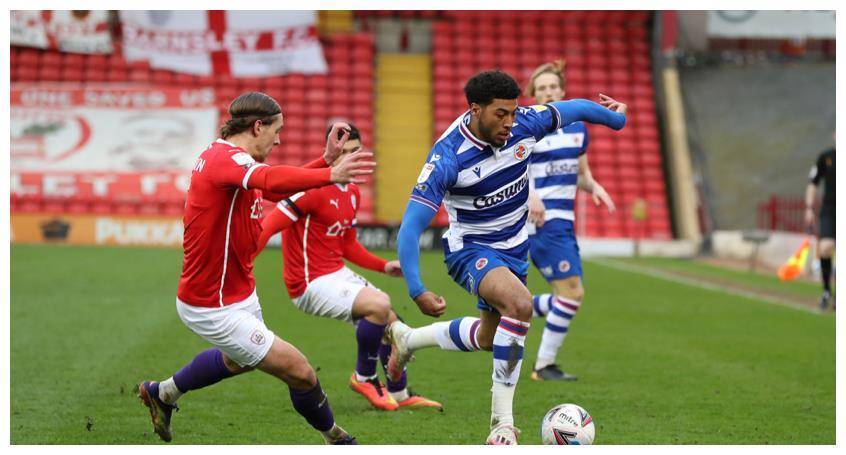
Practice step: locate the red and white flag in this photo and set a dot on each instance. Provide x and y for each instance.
(237, 43)
(85, 32)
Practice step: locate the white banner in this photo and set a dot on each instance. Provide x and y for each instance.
(86, 32)
(114, 129)
(237, 43)
(771, 24)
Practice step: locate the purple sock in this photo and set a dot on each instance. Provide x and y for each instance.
(384, 354)
(313, 404)
(369, 336)
(206, 369)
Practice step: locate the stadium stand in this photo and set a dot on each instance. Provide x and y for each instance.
(309, 103)
(606, 51)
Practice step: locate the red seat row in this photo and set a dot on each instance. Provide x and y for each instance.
(308, 102)
(606, 52)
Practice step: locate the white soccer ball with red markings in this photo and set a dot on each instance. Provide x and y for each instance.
(567, 424)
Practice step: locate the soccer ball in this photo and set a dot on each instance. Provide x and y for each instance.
(567, 424)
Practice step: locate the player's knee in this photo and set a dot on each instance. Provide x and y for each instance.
(524, 310)
(826, 248)
(301, 375)
(519, 308)
(380, 310)
(233, 366)
(576, 293)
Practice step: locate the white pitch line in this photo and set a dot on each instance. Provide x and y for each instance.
(651, 272)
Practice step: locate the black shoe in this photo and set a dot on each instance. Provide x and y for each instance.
(347, 441)
(336, 436)
(824, 300)
(552, 373)
(160, 412)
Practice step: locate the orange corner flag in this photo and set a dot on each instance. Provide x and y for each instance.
(796, 264)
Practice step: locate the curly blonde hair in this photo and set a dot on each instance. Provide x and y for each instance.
(556, 67)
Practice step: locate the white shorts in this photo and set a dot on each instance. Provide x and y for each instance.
(238, 329)
(332, 295)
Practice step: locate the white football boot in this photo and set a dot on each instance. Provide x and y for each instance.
(503, 434)
(397, 334)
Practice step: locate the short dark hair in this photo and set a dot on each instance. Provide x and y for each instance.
(487, 85)
(248, 108)
(354, 133)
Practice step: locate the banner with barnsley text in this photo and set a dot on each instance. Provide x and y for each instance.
(79, 31)
(69, 140)
(234, 43)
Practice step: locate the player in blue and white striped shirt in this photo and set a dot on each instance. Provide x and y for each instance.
(479, 170)
(559, 166)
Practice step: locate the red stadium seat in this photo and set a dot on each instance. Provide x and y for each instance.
(97, 61)
(115, 61)
(139, 76)
(117, 75)
(54, 59)
(95, 75)
(47, 73)
(28, 57)
(71, 74)
(161, 77)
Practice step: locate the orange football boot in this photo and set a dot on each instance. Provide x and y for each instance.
(375, 393)
(419, 401)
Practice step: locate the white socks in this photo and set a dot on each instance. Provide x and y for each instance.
(501, 404)
(559, 312)
(540, 305)
(361, 378)
(461, 335)
(508, 350)
(456, 335)
(401, 395)
(168, 392)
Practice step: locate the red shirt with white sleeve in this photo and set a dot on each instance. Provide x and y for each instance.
(222, 221)
(318, 233)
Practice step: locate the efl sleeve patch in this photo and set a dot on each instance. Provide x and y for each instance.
(426, 172)
(242, 159)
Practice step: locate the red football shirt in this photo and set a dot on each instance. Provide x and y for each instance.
(222, 222)
(314, 245)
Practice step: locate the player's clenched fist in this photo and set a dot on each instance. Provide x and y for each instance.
(430, 304)
(352, 168)
(392, 268)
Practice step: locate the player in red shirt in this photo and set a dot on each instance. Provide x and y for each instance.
(318, 234)
(216, 298)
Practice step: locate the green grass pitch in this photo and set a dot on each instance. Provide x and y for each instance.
(658, 362)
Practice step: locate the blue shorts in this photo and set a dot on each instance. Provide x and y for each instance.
(554, 250)
(470, 264)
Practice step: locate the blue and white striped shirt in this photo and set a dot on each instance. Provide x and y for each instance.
(554, 169)
(484, 189)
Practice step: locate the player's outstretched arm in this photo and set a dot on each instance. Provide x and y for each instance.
(611, 113)
(356, 253)
(415, 220)
(283, 180)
